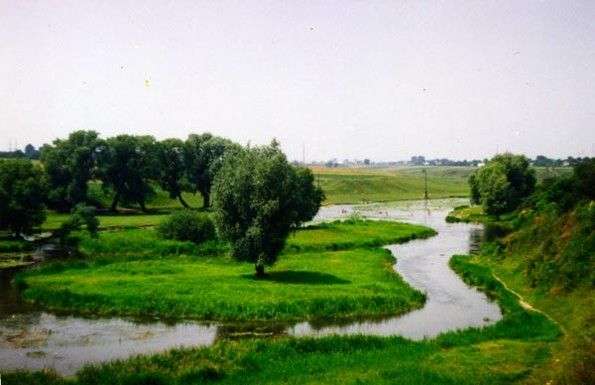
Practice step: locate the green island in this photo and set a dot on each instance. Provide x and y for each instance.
(334, 270)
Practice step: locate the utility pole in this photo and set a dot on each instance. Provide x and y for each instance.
(425, 183)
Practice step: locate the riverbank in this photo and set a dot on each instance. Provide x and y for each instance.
(507, 352)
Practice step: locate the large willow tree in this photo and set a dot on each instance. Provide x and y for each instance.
(258, 199)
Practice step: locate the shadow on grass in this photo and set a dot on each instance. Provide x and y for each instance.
(300, 277)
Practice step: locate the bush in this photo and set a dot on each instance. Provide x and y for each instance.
(187, 225)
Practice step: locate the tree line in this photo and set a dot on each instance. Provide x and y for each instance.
(259, 196)
(129, 166)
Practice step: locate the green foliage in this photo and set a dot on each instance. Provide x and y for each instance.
(259, 198)
(126, 167)
(494, 189)
(518, 173)
(558, 249)
(502, 184)
(585, 176)
(474, 194)
(172, 169)
(11, 245)
(517, 323)
(70, 164)
(344, 235)
(82, 215)
(187, 225)
(22, 191)
(204, 155)
(144, 244)
(578, 349)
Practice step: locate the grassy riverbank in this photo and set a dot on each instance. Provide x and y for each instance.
(509, 351)
(328, 271)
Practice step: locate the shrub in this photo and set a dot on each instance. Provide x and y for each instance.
(187, 225)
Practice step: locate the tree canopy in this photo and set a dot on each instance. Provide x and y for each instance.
(22, 192)
(258, 199)
(204, 157)
(126, 166)
(70, 164)
(172, 168)
(502, 184)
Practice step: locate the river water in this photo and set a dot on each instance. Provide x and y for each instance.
(31, 338)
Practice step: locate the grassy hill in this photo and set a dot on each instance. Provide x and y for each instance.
(381, 184)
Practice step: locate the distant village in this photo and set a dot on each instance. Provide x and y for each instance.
(540, 161)
(420, 160)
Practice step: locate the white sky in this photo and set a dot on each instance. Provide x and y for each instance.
(383, 80)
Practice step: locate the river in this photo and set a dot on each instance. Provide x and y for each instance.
(31, 338)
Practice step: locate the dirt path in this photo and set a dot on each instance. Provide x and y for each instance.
(526, 305)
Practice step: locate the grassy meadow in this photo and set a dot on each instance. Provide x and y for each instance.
(383, 184)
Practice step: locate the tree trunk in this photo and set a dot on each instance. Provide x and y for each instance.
(206, 200)
(142, 205)
(260, 271)
(115, 202)
(260, 267)
(182, 201)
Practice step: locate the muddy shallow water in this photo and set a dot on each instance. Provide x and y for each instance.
(31, 338)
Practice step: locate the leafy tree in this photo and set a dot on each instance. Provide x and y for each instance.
(474, 195)
(70, 164)
(31, 152)
(494, 189)
(306, 197)
(258, 199)
(172, 168)
(418, 160)
(204, 158)
(502, 184)
(22, 191)
(126, 166)
(584, 174)
(518, 173)
(80, 215)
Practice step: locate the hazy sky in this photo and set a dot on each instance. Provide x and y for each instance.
(383, 80)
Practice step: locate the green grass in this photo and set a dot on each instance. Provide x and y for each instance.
(160, 200)
(512, 350)
(134, 272)
(357, 185)
(347, 235)
(112, 221)
(467, 214)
